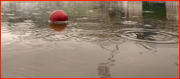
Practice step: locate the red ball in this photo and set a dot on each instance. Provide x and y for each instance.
(58, 15)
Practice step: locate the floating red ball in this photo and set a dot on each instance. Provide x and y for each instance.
(58, 15)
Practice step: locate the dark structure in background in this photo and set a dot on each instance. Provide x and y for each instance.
(154, 10)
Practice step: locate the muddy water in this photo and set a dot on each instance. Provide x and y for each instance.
(102, 40)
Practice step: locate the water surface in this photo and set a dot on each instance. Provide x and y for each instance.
(104, 39)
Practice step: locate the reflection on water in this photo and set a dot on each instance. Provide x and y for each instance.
(58, 27)
(103, 39)
(103, 69)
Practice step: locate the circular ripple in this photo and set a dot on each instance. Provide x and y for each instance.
(150, 36)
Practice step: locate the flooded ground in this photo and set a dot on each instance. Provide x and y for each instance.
(115, 39)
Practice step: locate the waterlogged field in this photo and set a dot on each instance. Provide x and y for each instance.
(103, 39)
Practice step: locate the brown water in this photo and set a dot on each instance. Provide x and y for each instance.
(102, 40)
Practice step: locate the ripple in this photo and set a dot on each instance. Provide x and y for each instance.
(4, 28)
(27, 46)
(23, 37)
(150, 36)
(7, 38)
(23, 25)
(129, 22)
(28, 21)
(35, 43)
(31, 43)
